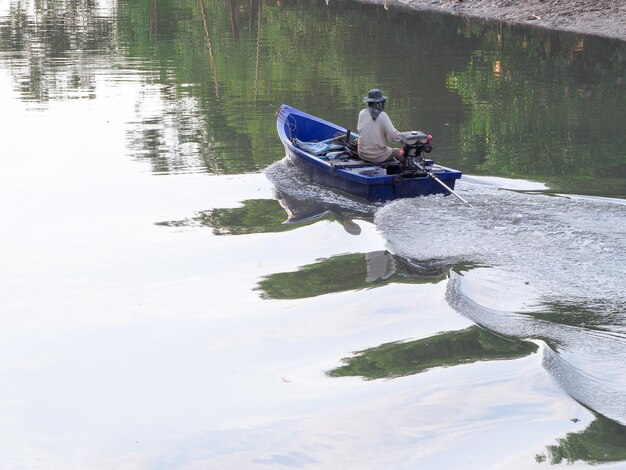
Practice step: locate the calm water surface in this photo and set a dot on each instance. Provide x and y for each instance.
(174, 295)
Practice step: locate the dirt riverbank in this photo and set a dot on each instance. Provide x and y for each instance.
(599, 17)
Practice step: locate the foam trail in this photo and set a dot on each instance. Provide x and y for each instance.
(289, 181)
(552, 270)
(572, 248)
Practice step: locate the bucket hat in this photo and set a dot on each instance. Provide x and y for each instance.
(374, 96)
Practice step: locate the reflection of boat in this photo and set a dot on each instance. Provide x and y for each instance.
(300, 210)
(352, 272)
(315, 146)
(268, 215)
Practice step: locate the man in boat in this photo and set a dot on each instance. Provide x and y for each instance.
(376, 129)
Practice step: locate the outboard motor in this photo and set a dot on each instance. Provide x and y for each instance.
(415, 143)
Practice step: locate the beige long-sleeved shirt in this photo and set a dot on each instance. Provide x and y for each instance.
(373, 136)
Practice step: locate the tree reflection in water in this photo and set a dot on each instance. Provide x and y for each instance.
(353, 271)
(603, 441)
(272, 216)
(451, 348)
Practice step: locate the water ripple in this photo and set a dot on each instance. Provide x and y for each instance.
(570, 250)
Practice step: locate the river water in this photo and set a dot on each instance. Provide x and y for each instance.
(173, 294)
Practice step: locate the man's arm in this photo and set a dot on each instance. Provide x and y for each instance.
(390, 131)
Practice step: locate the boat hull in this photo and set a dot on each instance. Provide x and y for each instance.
(295, 124)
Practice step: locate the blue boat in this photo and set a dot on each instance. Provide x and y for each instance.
(326, 154)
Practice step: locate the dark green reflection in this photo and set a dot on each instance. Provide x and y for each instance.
(256, 216)
(271, 216)
(352, 272)
(399, 359)
(603, 441)
(591, 315)
(540, 109)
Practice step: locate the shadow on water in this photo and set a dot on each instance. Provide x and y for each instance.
(451, 348)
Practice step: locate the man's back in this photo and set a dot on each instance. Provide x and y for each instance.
(373, 136)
